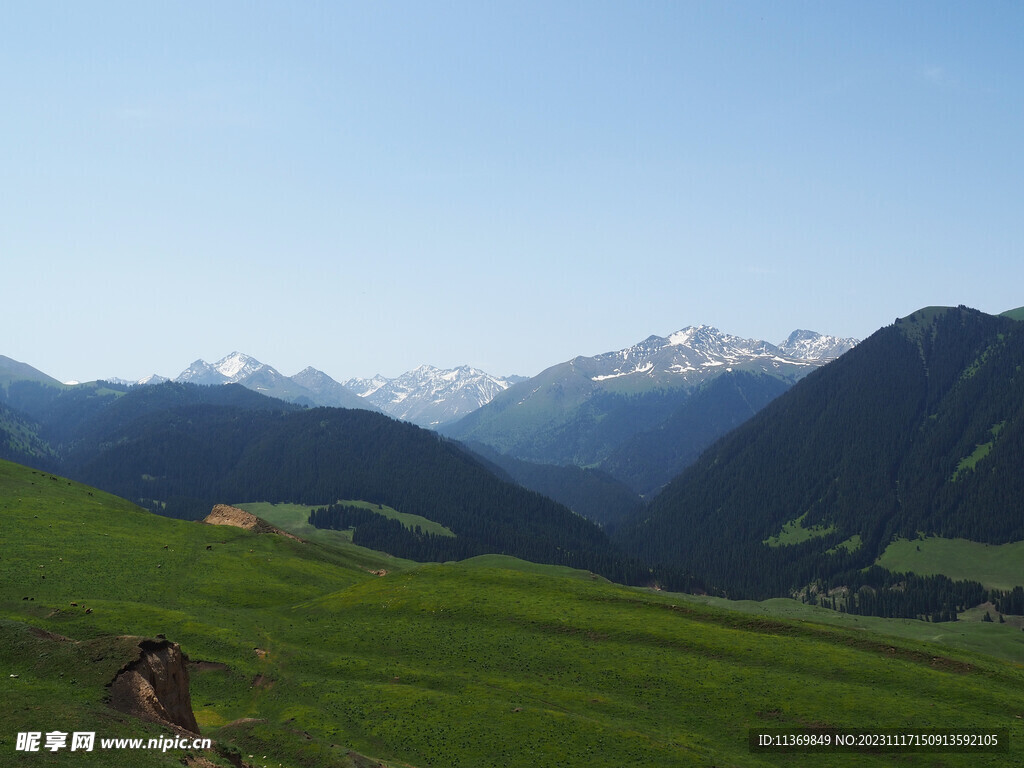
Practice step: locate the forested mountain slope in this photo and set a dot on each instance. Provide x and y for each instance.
(629, 413)
(589, 492)
(920, 428)
(178, 449)
(20, 441)
(650, 459)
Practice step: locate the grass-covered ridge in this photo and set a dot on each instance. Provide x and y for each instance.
(1004, 641)
(487, 662)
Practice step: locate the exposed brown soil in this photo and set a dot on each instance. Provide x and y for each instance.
(261, 681)
(223, 514)
(47, 635)
(155, 686)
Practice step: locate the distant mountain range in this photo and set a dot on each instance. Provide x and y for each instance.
(434, 397)
(308, 387)
(584, 411)
(697, 353)
(642, 414)
(426, 396)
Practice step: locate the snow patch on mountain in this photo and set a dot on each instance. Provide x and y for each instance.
(647, 367)
(366, 387)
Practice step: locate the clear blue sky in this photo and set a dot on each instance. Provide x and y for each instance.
(365, 187)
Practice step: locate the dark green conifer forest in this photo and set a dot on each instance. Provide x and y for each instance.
(918, 430)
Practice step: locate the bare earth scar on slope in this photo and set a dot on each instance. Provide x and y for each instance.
(155, 686)
(223, 514)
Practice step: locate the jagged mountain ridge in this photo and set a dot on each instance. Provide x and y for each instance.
(430, 396)
(433, 397)
(426, 396)
(233, 369)
(810, 345)
(308, 387)
(153, 378)
(695, 353)
(583, 410)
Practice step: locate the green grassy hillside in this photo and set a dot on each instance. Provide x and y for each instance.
(488, 662)
(13, 370)
(1005, 641)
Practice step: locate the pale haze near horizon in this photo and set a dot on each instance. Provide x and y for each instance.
(368, 187)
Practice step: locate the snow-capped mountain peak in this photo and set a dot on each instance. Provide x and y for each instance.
(708, 339)
(811, 345)
(153, 378)
(233, 369)
(692, 334)
(428, 395)
(201, 372)
(237, 366)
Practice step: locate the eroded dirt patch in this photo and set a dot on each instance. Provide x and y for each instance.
(154, 687)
